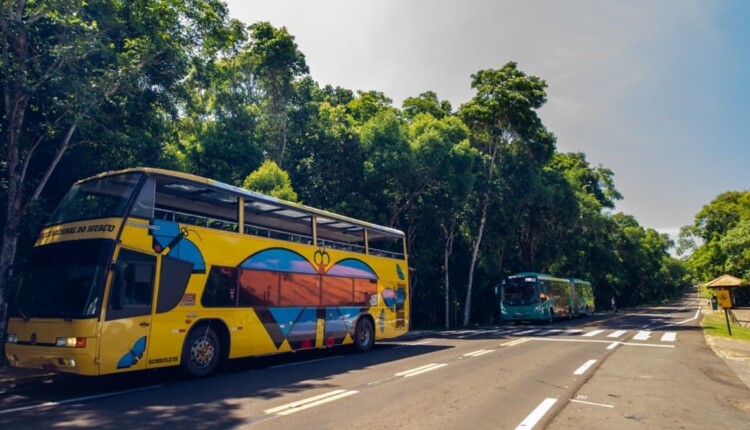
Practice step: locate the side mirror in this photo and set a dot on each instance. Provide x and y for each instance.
(118, 287)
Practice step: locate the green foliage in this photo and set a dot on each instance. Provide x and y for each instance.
(717, 241)
(481, 193)
(715, 324)
(271, 180)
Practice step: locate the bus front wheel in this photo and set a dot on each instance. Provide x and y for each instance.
(364, 335)
(201, 352)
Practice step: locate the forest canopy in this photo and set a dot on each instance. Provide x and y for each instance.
(480, 189)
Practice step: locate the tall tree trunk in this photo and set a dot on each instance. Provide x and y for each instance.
(474, 256)
(447, 251)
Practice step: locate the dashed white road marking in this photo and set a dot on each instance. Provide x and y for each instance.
(581, 370)
(478, 353)
(311, 402)
(669, 336)
(516, 342)
(617, 333)
(593, 333)
(642, 335)
(530, 421)
(420, 370)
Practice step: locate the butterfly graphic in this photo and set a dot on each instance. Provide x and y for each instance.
(133, 355)
(171, 237)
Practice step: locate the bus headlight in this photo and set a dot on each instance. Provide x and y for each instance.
(71, 342)
(12, 338)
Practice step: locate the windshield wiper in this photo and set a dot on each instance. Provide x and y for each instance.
(23, 314)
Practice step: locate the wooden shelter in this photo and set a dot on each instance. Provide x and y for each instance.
(723, 287)
(726, 281)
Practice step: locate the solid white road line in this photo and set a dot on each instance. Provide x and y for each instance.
(424, 342)
(301, 405)
(617, 333)
(592, 403)
(537, 414)
(697, 313)
(642, 335)
(581, 370)
(304, 362)
(78, 399)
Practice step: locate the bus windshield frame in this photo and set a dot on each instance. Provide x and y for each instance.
(521, 291)
(62, 280)
(106, 197)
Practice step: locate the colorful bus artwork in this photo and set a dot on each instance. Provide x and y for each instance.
(583, 297)
(147, 268)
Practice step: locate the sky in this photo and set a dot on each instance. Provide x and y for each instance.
(657, 91)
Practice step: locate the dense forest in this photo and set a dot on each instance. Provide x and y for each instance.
(479, 189)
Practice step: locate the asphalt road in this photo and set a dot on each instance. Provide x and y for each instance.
(647, 368)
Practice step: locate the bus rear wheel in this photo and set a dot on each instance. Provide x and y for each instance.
(364, 335)
(201, 352)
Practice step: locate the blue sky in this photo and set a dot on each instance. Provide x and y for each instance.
(655, 90)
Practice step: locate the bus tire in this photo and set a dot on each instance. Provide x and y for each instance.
(201, 352)
(364, 335)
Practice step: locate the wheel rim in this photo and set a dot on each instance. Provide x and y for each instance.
(363, 334)
(202, 352)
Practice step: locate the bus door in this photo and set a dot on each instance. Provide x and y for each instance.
(126, 328)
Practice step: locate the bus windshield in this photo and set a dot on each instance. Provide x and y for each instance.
(62, 280)
(519, 292)
(97, 198)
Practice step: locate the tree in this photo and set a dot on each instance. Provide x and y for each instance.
(501, 115)
(715, 235)
(271, 180)
(444, 161)
(218, 134)
(66, 63)
(277, 62)
(426, 102)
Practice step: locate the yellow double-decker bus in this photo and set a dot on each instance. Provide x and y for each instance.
(147, 268)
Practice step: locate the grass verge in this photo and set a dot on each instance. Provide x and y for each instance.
(715, 324)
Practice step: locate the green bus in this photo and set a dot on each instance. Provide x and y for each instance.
(536, 297)
(583, 297)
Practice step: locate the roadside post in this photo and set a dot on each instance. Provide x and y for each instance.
(724, 297)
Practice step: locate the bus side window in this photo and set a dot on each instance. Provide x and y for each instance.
(221, 288)
(173, 282)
